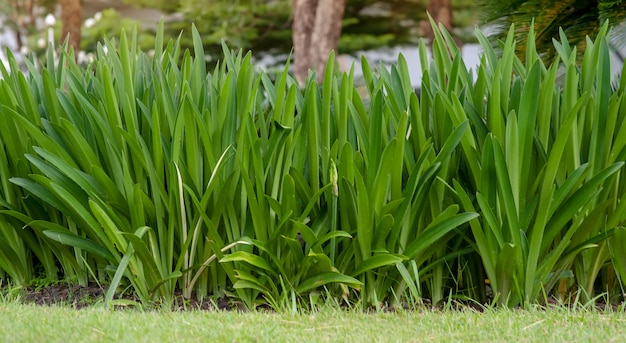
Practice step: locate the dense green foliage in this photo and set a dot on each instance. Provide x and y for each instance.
(150, 175)
(258, 25)
(266, 25)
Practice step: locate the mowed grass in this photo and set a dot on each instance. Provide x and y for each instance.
(29, 323)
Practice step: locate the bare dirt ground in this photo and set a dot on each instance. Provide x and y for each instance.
(85, 296)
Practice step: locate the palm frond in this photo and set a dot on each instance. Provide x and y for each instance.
(577, 18)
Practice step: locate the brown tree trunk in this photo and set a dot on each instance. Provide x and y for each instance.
(441, 12)
(316, 31)
(302, 27)
(72, 18)
(30, 7)
(16, 19)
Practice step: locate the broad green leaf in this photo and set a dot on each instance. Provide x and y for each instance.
(377, 261)
(433, 233)
(324, 279)
(254, 260)
(72, 239)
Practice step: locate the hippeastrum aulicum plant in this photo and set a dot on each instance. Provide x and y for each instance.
(150, 169)
(542, 161)
(143, 171)
(151, 175)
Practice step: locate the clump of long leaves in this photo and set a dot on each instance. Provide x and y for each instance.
(148, 172)
(543, 161)
(144, 171)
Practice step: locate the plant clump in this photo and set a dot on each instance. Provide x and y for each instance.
(157, 178)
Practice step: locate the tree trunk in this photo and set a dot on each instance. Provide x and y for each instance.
(441, 12)
(30, 7)
(72, 18)
(316, 31)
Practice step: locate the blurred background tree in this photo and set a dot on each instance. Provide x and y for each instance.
(265, 26)
(71, 22)
(317, 26)
(316, 30)
(21, 17)
(261, 25)
(441, 11)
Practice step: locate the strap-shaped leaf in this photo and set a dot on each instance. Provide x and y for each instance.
(324, 279)
(377, 261)
(253, 260)
(433, 233)
(71, 239)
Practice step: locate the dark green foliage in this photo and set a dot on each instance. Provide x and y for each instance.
(577, 18)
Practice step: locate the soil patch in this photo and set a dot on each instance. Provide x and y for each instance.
(62, 294)
(80, 297)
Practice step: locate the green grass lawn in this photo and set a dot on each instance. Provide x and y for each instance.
(28, 323)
